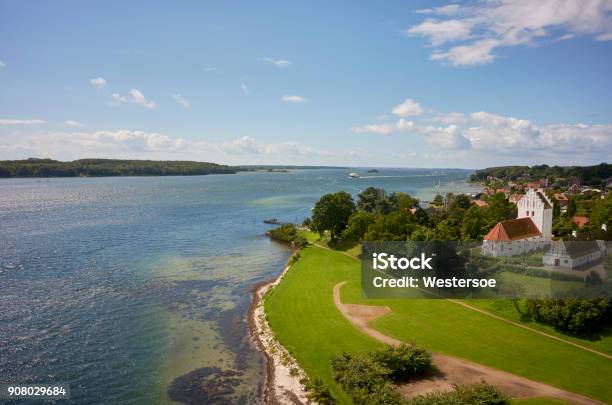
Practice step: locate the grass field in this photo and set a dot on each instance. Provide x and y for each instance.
(302, 314)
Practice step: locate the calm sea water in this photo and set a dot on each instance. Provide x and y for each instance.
(136, 289)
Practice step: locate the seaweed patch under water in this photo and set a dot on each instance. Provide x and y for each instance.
(209, 385)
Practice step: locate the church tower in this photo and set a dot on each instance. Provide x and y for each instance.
(537, 206)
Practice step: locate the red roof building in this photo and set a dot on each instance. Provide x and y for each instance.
(515, 198)
(513, 229)
(580, 221)
(480, 203)
(562, 199)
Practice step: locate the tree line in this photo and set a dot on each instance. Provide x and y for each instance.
(108, 167)
(377, 215)
(588, 175)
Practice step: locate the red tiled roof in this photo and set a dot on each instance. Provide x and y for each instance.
(513, 229)
(580, 220)
(516, 198)
(480, 203)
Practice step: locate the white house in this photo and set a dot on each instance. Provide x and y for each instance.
(574, 254)
(531, 230)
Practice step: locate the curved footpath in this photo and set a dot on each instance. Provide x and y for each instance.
(452, 370)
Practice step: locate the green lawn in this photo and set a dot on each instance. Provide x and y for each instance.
(302, 314)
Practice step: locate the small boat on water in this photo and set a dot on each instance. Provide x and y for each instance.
(272, 221)
(354, 175)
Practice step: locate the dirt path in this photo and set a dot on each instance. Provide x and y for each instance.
(452, 370)
(511, 322)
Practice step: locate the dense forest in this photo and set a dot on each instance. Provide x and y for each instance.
(588, 175)
(108, 167)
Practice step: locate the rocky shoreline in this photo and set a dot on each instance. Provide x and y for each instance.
(283, 384)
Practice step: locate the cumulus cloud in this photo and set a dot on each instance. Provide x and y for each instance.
(98, 82)
(407, 108)
(118, 99)
(139, 98)
(5, 121)
(181, 101)
(72, 123)
(281, 63)
(293, 99)
(477, 29)
(485, 131)
(151, 145)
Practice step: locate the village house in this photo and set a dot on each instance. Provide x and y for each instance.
(531, 230)
(561, 199)
(574, 254)
(580, 220)
(515, 198)
(480, 203)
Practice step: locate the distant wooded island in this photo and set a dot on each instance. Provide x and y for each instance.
(588, 175)
(108, 167)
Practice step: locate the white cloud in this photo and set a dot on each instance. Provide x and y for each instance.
(98, 82)
(118, 99)
(72, 123)
(128, 144)
(477, 53)
(480, 28)
(209, 69)
(407, 108)
(440, 32)
(382, 117)
(447, 10)
(139, 98)
(20, 122)
(293, 99)
(181, 101)
(2, 64)
(281, 63)
(453, 118)
(244, 87)
(384, 129)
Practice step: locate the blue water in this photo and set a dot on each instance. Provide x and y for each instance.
(127, 287)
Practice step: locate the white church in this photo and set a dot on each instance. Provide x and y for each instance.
(531, 230)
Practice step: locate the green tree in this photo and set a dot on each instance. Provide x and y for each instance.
(602, 213)
(332, 212)
(373, 200)
(402, 201)
(396, 225)
(358, 224)
(474, 225)
(571, 206)
(499, 209)
(438, 201)
(461, 201)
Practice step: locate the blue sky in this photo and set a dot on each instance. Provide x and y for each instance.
(417, 84)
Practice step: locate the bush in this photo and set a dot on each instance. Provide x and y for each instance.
(404, 361)
(288, 234)
(369, 379)
(482, 394)
(575, 315)
(318, 392)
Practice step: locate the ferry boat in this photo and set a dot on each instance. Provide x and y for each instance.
(354, 175)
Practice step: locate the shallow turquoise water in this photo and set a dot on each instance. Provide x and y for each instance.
(120, 286)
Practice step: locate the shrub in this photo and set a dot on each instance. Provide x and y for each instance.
(404, 361)
(481, 394)
(575, 315)
(318, 392)
(288, 234)
(368, 379)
